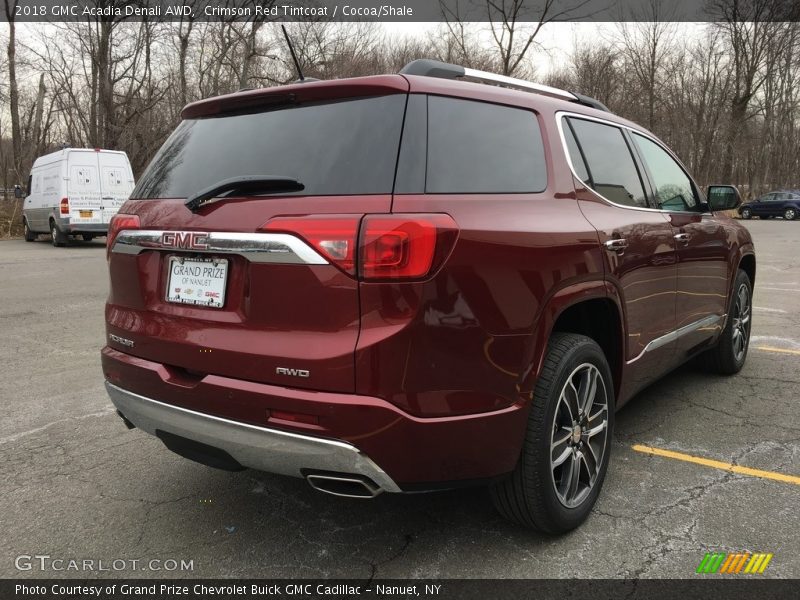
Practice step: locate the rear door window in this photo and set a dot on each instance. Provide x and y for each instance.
(345, 147)
(478, 148)
(611, 169)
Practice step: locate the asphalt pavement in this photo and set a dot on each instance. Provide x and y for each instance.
(77, 485)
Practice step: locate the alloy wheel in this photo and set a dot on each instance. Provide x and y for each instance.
(741, 322)
(790, 214)
(578, 439)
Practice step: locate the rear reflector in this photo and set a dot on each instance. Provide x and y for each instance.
(64, 206)
(376, 247)
(119, 222)
(293, 417)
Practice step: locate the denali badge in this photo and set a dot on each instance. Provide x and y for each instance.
(120, 340)
(293, 372)
(189, 240)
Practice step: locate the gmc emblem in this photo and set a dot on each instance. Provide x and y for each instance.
(188, 240)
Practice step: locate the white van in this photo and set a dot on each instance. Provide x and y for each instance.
(75, 191)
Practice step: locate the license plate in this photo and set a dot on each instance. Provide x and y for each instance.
(198, 281)
(85, 214)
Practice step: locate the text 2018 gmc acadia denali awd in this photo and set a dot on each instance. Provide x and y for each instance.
(407, 282)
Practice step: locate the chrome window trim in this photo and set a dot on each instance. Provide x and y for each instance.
(275, 248)
(709, 321)
(560, 115)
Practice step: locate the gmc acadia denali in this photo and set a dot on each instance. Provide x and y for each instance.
(410, 282)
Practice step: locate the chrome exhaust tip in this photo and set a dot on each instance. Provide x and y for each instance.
(346, 486)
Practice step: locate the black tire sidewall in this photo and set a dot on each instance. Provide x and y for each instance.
(727, 342)
(746, 213)
(56, 236)
(560, 517)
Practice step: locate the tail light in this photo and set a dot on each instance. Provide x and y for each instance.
(63, 207)
(119, 222)
(334, 237)
(376, 247)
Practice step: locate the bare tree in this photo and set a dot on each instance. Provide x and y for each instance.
(13, 90)
(754, 31)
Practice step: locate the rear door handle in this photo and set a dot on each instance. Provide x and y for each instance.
(618, 245)
(682, 238)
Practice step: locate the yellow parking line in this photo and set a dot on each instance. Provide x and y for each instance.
(716, 464)
(781, 350)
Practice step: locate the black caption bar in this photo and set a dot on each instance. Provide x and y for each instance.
(32, 11)
(658, 589)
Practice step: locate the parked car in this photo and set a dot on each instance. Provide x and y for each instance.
(75, 192)
(407, 282)
(783, 203)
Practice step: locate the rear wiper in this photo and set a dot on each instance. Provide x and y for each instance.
(253, 184)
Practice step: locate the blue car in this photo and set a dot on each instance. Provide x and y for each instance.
(783, 203)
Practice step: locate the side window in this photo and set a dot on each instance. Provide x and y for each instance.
(611, 170)
(673, 188)
(29, 190)
(575, 154)
(476, 147)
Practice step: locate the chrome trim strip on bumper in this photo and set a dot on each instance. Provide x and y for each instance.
(280, 248)
(260, 448)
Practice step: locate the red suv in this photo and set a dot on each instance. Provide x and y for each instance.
(409, 282)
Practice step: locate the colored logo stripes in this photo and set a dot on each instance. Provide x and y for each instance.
(741, 562)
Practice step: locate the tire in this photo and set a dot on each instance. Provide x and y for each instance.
(537, 494)
(730, 353)
(746, 214)
(57, 236)
(87, 237)
(29, 235)
(790, 214)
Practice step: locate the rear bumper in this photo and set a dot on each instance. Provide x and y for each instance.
(361, 432)
(259, 448)
(93, 228)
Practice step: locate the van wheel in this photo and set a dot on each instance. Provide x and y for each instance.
(728, 356)
(29, 235)
(59, 238)
(567, 445)
(87, 237)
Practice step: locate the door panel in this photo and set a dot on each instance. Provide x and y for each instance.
(638, 243)
(703, 276)
(645, 277)
(701, 247)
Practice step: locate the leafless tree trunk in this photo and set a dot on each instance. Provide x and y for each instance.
(13, 91)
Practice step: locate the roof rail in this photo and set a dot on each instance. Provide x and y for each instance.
(434, 68)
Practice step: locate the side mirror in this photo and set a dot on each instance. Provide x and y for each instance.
(723, 197)
(17, 192)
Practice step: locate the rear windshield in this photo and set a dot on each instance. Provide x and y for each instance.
(345, 147)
